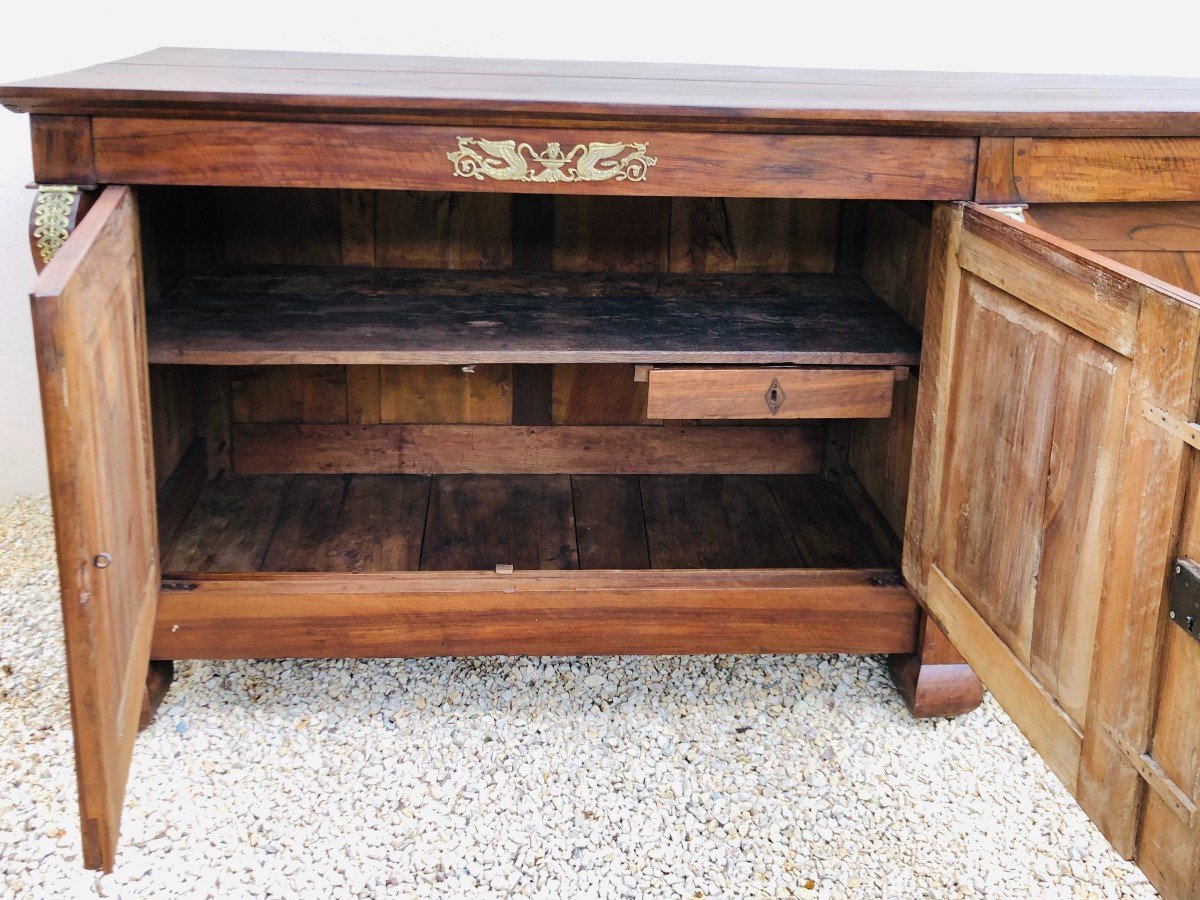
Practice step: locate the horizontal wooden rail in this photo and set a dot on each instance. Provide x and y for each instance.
(527, 450)
(540, 613)
(328, 155)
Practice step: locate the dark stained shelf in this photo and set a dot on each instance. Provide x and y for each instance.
(381, 316)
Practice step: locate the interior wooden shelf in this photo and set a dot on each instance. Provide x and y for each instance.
(345, 316)
(397, 523)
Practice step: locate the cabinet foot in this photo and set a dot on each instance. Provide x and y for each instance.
(158, 680)
(935, 681)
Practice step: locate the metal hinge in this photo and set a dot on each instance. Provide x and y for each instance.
(1185, 597)
(1188, 432)
(1011, 210)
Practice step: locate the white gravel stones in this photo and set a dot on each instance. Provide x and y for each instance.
(746, 776)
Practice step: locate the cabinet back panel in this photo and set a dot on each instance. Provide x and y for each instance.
(445, 230)
(198, 228)
(442, 230)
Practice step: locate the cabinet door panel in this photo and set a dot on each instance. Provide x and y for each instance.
(88, 319)
(1045, 506)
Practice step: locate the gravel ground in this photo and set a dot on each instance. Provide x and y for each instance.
(731, 776)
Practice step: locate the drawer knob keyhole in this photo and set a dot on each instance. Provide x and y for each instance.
(774, 397)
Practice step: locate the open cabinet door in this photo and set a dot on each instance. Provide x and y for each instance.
(1045, 510)
(88, 320)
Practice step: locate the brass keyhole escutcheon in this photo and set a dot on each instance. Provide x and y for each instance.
(774, 396)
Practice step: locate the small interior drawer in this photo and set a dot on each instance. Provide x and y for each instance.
(766, 392)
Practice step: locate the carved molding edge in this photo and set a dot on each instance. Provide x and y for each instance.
(52, 211)
(510, 161)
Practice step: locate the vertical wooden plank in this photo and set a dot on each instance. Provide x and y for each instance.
(532, 394)
(446, 395)
(598, 395)
(1000, 419)
(533, 232)
(826, 529)
(611, 234)
(608, 522)
(200, 235)
(358, 249)
(715, 521)
(1168, 847)
(533, 251)
(998, 174)
(364, 395)
(357, 227)
(851, 237)
(440, 230)
(281, 226)
(881, 454)
(172, 417)
(481, 521)
(753, 235)
(1148, 505)
(230, 528)
(1091, 403)
(178, 496)
(62, 150)
(350, 523)
(896, 257)
(895, 265)
(214, 411)
(309, 394)
(933, 400)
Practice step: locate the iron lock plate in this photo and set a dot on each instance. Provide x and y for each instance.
(1185, 596)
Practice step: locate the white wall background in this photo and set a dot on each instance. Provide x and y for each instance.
(1155, 37)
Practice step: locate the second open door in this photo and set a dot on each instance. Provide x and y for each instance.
(1057, 392)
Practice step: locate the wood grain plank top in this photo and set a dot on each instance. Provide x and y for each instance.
(336, 316)
(344, 87)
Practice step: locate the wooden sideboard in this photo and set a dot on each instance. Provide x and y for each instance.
(384, 356)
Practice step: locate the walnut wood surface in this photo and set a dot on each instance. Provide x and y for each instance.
(88, 316)
(1049, 574)
(610, 523)
(741, 393)
(62, 146)
(224, 83)
(481, 521)
(541, 613)
(1096, 170)
(527, 450)
(935, 681)
(388, 316)
(323, 155)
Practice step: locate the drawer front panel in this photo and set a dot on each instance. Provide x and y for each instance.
(1088, 170)
(560, 161)
(770, 393)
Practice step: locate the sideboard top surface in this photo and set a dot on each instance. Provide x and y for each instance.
(175, 81)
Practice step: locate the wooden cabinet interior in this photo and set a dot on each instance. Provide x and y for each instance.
(288, 442)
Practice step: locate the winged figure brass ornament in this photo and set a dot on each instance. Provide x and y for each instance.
(510, 161)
